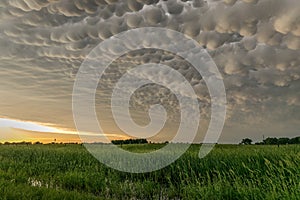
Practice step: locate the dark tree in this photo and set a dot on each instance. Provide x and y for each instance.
(283, 140)
(130, 141)
(246, 141)
(38, 142)
(295, 140)
(271, 141)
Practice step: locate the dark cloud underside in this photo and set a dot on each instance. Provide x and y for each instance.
(255, 44)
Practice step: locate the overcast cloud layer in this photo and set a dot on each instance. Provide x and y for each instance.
(255, 44)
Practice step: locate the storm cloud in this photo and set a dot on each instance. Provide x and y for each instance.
(254, 43)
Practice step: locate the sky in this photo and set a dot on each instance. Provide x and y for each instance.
(254, 43)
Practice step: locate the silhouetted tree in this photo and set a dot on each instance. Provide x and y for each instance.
(38, 142)
(271, 141)
(130, 141)
(295, 140)
(283, 140)
(246, 141)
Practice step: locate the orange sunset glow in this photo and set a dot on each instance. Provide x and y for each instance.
(19, 131)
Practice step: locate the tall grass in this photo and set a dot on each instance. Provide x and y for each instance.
(228, 172)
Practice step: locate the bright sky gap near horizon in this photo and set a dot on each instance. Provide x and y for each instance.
(254, 43)
(29, 126)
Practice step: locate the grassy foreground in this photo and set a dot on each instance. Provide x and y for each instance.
(228, 172)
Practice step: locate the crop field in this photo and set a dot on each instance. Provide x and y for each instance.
(59, 171)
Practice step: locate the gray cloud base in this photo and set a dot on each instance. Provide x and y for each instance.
(255, 44)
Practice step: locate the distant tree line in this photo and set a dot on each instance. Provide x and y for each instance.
(35, 143)
(130, 141)
(273, 141)
(17, 143)
(116, 142)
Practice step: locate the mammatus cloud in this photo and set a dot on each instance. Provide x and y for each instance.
(255, 44)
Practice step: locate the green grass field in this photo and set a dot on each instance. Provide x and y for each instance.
(228, 172)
